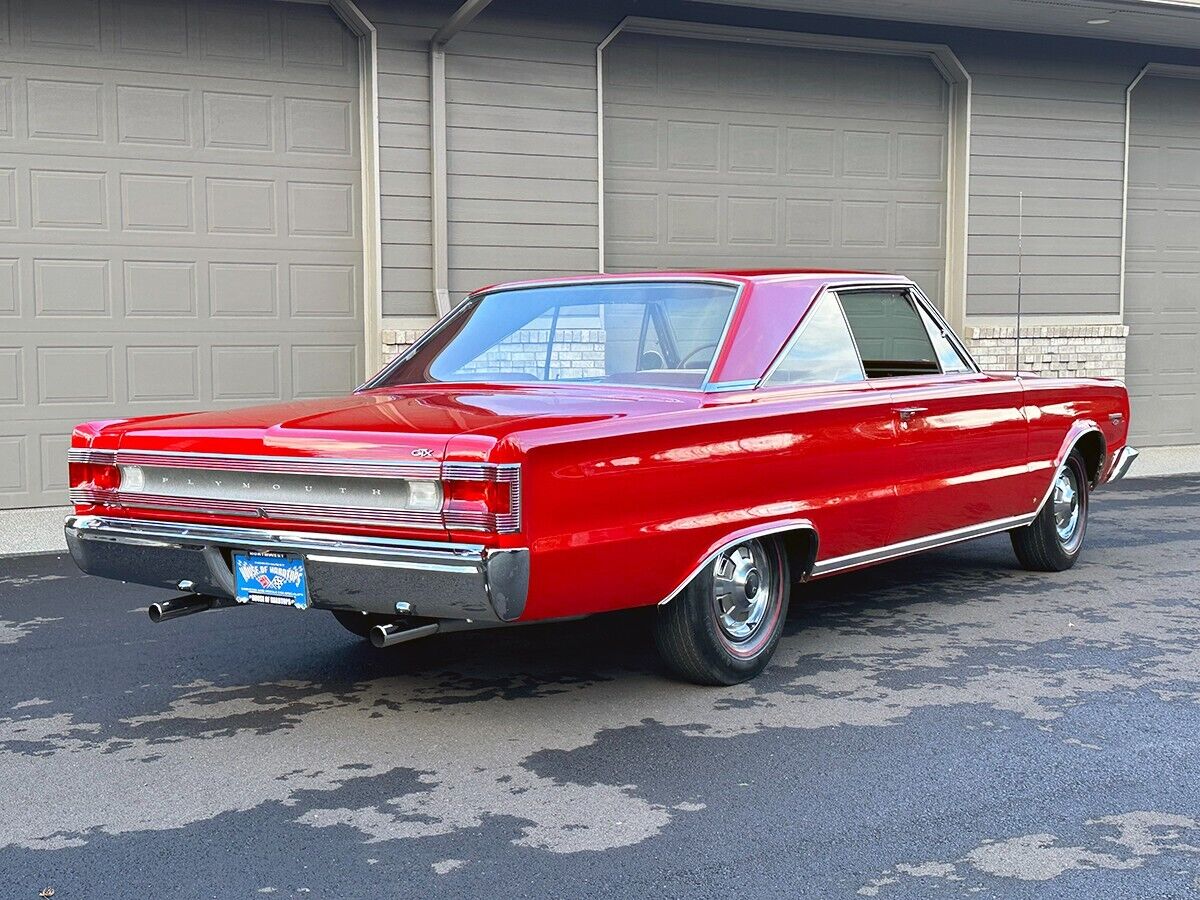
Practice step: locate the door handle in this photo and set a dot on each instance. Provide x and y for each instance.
(908, 413)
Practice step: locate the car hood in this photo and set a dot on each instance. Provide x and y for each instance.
(386, 422)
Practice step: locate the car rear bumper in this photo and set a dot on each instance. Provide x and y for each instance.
(440, 580)
(1121, 463)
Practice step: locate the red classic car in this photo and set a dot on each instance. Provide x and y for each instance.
(551, 449)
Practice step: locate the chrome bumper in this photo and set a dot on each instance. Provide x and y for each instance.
(1120, 465)
(441, 580)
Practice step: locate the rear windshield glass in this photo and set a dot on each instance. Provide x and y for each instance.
(654, 333)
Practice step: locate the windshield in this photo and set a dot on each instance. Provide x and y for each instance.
(655, 333)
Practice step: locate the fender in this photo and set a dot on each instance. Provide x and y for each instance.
(1079, 428)
(765, 529)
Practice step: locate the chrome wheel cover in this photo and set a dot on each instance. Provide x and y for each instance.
(1067, 501)
(743, 590)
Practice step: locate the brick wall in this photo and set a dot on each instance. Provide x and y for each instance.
(1063, 350)
(578, 352)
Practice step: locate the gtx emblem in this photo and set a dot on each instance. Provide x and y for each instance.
(422, 453)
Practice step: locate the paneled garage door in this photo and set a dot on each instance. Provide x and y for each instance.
(1162, 257)
(179, 216)
(719, 154)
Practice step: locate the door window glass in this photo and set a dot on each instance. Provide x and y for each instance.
(890, 335)
(822, 352)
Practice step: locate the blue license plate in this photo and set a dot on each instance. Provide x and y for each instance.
(270, 578)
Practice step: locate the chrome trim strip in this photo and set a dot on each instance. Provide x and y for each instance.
(294, 465)
(1074, 433)
(392, 564)
(88, 455)
(744, 535)
(180, 533)
(257, 508)
(1125, 458)
(917, 545)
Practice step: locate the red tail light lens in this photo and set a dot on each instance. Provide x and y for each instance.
(94, 475)
(482, 498)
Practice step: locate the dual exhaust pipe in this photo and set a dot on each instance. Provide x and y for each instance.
(186, 605)
(381, 635)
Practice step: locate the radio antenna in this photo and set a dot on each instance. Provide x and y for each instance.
(1020, 271)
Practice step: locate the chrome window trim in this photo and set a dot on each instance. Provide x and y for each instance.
(379, 377)
(944, 326)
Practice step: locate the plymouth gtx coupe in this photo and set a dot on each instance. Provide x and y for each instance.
(696, 442)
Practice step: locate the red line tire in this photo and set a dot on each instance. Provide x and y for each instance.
(1047, 544)
(721, 629)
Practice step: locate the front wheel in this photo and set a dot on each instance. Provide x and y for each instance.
(723, 627)
(1053, 541)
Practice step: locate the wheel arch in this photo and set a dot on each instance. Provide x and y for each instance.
(798, 537)
(1087, 436)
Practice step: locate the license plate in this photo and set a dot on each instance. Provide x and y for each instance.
(272, 578)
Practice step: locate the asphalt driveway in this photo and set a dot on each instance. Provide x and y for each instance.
(943, 726)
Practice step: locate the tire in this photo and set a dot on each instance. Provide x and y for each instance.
(360, 624)
(1054, 540)
(724, 626)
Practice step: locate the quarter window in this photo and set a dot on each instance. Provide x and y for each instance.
(891, 338)
(822, 352)
(948, 356)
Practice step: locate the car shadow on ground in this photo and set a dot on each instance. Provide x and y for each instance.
(529, 659)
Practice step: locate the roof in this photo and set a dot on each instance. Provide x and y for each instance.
(747, 275)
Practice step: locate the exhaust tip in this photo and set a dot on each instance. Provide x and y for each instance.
(156, 612)
(379, 636)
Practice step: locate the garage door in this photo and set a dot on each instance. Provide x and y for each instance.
(1162, 257)
(719, 154)
(179, 216)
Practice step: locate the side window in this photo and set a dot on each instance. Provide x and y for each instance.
(822, 352)
(891, 337)
(948, 356)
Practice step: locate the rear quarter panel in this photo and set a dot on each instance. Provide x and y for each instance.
(1056, 407)
(617, 515)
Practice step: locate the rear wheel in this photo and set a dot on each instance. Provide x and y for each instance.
(723, 627)
(1053, 541)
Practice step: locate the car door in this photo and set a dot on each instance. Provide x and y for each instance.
(840, 430)
(960, 449)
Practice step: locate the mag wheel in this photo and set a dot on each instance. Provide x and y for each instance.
(723, 627)
(1053, 541)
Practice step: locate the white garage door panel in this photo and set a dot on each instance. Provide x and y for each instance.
(179, 217)
(1162, 282)
(721, 154)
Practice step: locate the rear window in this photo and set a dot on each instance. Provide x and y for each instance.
(661, 332)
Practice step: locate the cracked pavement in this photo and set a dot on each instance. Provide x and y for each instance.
(942, 726)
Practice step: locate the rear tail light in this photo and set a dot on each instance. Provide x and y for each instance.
(92, 474)
(482, 497)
